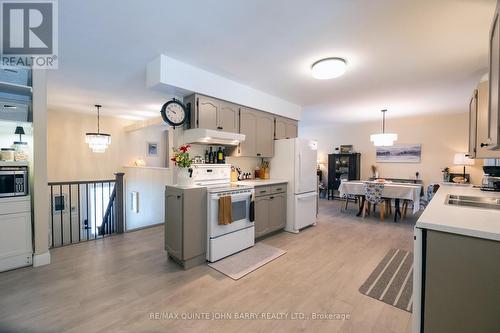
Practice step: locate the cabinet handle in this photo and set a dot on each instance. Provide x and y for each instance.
(279, 189)
(218, 127)
(271, 198)
(178, 197)
(484, 145)
(258, 154)
(263, 191)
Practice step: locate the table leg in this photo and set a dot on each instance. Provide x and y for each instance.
(397, 210)
(362, 204)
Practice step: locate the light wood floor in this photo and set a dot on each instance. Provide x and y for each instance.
(113, 285)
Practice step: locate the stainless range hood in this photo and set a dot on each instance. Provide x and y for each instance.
(207, 136)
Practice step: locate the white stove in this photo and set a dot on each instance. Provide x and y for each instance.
(224, 240)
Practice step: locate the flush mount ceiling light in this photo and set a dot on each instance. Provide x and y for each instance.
(383, 139)
(328, 68)
(98, 142)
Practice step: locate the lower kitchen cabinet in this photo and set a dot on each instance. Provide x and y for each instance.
(270, 209)
(456, 283)
(186, 228)
(15, 239)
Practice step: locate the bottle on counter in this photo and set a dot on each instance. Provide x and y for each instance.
(224, 155)
(210, 156)
(207, 160)
(214, 157)
(219, 156)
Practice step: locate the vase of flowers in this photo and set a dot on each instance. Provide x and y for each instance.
(183, 162)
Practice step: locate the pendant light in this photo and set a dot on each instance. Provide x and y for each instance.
(383, 139)
(98, 142)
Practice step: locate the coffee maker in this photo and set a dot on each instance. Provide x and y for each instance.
(491, 178)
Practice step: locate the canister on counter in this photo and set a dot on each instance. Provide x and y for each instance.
(21, 152)
(7, 154)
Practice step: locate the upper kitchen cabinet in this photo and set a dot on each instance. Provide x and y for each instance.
(479, 124)
(258, 128)
(228, 118)
(214, 114)
(265, 134)
(248, 126)
(493, 132)
(473, 125)
(285, 128)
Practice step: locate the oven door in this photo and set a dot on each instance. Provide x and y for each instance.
(240, 213)
(7, 183)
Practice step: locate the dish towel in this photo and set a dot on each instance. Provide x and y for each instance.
(225, 210)
(251, 214)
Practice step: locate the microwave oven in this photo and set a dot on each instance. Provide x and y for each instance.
(13, 181)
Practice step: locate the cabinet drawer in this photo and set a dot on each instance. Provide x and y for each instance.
(15, 75)
(14, 205)
(280, 188)
(262, 190)
(14, 111)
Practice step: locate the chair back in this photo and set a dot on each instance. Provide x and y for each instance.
(373, 192)
(431, 190)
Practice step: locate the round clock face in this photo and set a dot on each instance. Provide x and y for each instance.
(173, 113)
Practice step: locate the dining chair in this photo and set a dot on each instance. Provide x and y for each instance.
(373, 195)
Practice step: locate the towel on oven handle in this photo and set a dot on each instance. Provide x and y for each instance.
(251, 213)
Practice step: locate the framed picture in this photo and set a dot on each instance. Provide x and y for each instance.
(152, 149)
(404, 153)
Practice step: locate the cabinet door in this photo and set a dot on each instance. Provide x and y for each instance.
(277, 212)
(206, 112)
(494, 86)
(292, 129)
(173, 225)
(482, 148)
(280, 128)
(228, 117)
(265, 135)
(472, 125)
(248, 126)
(262, 216)
(15, 238)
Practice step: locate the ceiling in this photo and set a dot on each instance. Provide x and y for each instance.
(409, 56)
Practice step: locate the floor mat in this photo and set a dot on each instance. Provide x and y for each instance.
(392, 280)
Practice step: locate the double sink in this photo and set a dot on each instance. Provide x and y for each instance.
(472, 201)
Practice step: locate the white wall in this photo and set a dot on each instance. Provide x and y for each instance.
(441, 136)
(149, 183)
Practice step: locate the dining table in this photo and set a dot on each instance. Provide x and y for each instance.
(392, 190)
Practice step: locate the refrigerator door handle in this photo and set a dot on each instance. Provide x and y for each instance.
(300, 171)
(306, 195)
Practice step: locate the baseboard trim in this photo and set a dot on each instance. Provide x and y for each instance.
(41, 259)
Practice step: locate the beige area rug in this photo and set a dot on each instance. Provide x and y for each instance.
(242, 263)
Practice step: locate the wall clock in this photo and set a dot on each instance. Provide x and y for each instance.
(174, 113)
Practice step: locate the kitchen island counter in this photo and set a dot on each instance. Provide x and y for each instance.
(462, 220)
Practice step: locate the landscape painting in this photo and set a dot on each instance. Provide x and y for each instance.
(406, 153)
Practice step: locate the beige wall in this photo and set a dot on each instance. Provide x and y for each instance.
(441, 137)
(70, 158)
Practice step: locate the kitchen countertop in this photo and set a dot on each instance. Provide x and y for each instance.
(260, 182)
(462, 220)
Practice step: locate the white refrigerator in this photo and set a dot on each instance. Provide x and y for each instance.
(295, 161)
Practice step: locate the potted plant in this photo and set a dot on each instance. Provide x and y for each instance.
(446, 174)
(183, 163)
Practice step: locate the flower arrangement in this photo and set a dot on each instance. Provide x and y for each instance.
(181, 157)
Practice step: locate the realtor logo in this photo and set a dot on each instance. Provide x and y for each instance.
(29, 33)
